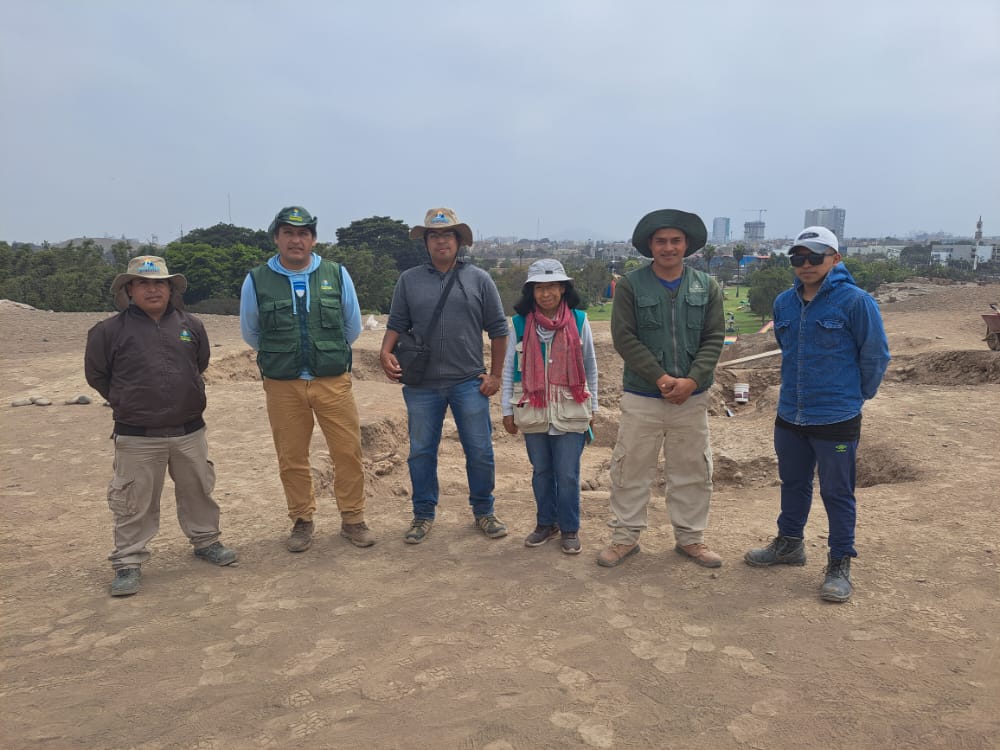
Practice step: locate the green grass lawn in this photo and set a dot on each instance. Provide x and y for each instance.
(746, 322)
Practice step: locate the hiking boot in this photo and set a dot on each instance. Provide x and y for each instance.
(419, 528)
(217, 553)
(126, 582)
(492, 526)
(571, 543)
(357, 534)
(616, 554)
(541, 535)
(700, 553)
(837, 586)
(783, 550)
(301, 536)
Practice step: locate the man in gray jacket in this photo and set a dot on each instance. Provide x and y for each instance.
(147, 362)
(456, 375)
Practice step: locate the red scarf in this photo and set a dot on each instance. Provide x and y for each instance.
(565, 357)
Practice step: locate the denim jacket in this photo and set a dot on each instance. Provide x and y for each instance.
(833, 350)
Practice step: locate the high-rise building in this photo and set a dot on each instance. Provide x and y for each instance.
(720, 230)
(831, 218)
(753, 231)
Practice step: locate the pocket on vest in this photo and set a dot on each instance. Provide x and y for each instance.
(569, 415)
(330, 313)
(528, 418)
(278, 360)
(276, 315)
(329, 358)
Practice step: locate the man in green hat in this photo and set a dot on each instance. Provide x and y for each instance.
(300, 312)
(667, 324)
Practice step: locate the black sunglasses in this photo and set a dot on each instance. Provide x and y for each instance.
(815, 259)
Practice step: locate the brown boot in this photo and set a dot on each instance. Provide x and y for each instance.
(700, 553)
(358, 534)
(301, 536)
(616, 554)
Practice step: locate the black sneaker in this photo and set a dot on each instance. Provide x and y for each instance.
(783, 550)
(217, 553)
(541, 535)
(419, 529)
(571, 542)
(126, 582)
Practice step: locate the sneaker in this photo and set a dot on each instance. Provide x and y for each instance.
(571, 542)
(541, 535)
(700, 553)
(217, 553)
(492, 526)
(301, 536)
(126, 582)
(358, 534)
(783, 550)
(419, 528)
(616, 554)
(837, 586)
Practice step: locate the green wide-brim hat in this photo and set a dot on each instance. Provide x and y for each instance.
(670, 218)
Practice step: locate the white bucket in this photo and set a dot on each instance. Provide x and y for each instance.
(741, 393)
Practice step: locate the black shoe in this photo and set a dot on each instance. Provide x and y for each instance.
(837, 586)
(126, 582)
(783, 550)
(541, 535)
(571, 542)
(217, 553)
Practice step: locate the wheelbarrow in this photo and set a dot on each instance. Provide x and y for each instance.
(993, 329)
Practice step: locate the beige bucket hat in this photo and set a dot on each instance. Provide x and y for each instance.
(443, 218)
(148, 267)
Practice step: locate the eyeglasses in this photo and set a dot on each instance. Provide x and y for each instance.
(432, 234)
(815, 259)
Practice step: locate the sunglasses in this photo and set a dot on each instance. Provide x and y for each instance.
(815, 259)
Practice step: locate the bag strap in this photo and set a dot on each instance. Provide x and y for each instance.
(440, 304)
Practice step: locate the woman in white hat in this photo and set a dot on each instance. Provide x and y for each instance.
(549, 393)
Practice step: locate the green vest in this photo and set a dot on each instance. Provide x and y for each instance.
(294, 339)
(669, 325)
(518, 321)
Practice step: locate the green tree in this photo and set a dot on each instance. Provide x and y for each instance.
(227, 235)
(765, 285)
(738, 252)
(591, 281)
(708, 252)
(374, 274)
(915, 255)
(385, 236)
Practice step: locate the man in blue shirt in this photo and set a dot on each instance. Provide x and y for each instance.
(301, 314)
(834, 354)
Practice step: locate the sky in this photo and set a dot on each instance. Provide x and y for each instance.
(551, 118)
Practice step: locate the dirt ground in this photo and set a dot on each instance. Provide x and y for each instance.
(464, 642)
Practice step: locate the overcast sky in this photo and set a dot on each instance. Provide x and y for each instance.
(547, 117)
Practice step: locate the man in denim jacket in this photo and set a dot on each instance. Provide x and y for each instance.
(834, 354)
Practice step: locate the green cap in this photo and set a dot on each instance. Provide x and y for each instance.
(670, 218)
(293, 216)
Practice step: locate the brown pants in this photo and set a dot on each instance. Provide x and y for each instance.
(291, 405)
(134, 493)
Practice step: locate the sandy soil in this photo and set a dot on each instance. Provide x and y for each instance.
(463, 642)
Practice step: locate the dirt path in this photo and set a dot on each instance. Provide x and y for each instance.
(462, 642)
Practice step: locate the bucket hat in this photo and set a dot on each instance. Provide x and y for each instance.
(148, 267)
(670, 218)
(443, 218)
(546, 270)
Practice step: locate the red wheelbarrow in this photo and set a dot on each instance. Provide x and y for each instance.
(993, 329)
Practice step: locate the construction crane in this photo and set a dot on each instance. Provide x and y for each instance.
(760, 212)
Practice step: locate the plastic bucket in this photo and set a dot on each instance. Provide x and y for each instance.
(741, 393)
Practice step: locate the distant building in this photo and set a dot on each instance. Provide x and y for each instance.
(720, 230)
(753, 232)
(831, 218)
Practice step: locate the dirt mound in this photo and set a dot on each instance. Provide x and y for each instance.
(949, 368)
(233, 368)
(880, 463)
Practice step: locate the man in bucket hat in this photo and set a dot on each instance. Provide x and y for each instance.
(300, 312)
(147, 361)
(456, 375)
(667, 324)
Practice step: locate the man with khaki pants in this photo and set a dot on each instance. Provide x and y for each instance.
(301, 314)
(667, 324)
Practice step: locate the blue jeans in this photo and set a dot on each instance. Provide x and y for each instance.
(555, 477)
(798, 456)
(425, 409)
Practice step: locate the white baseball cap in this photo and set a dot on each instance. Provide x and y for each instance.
(817, 239)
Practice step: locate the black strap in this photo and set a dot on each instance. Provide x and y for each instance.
(440, 304)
